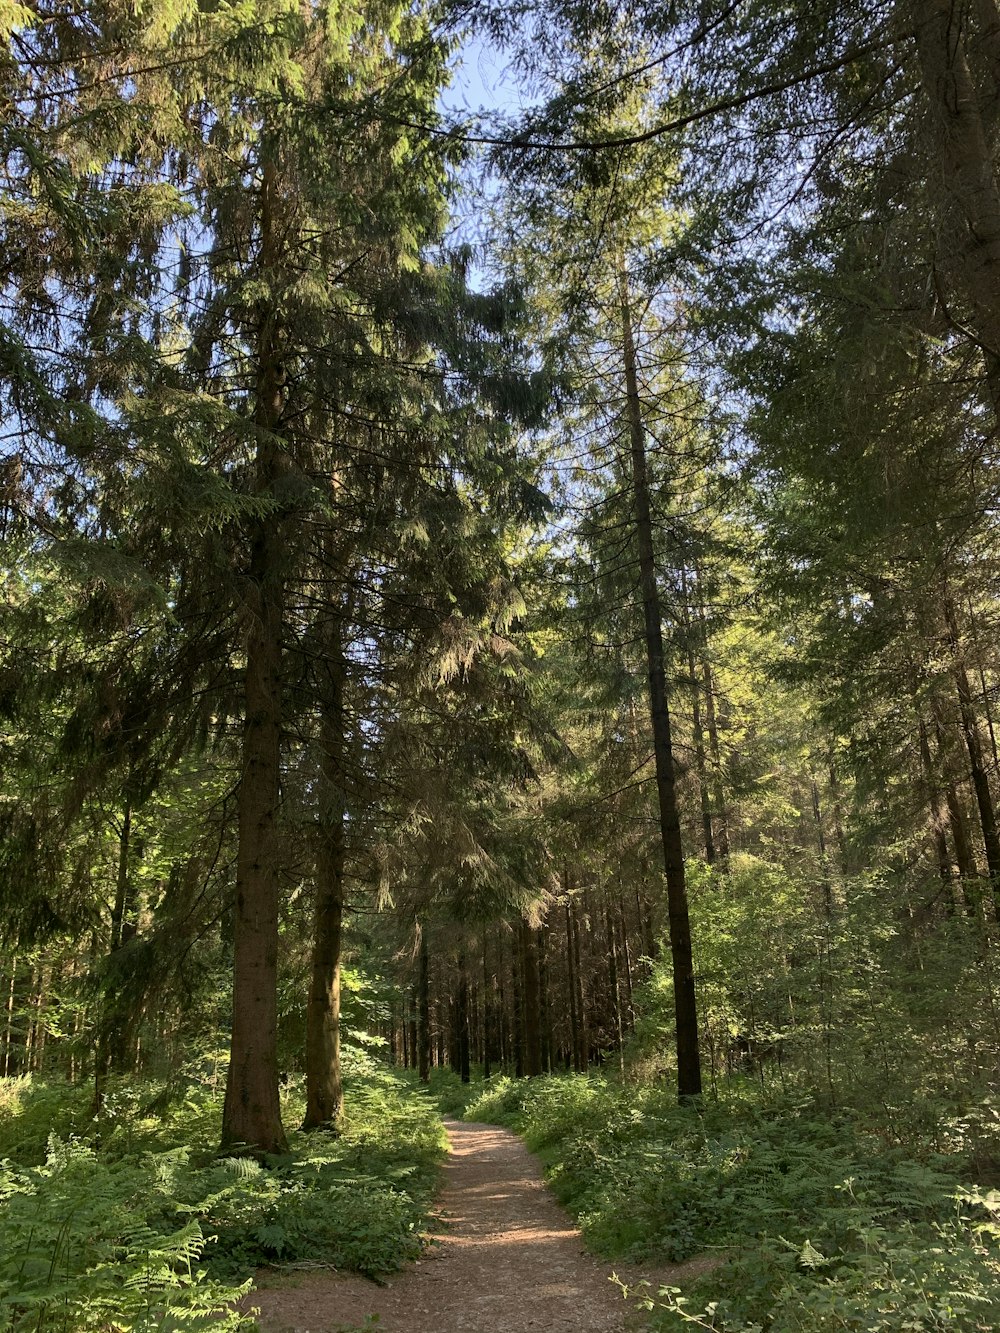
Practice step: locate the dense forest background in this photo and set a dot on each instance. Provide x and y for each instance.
(505, 593)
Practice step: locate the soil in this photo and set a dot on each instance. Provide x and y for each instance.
(510, 1261)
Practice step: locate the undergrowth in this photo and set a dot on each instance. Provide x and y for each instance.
(129, 1221)
(817, 1224)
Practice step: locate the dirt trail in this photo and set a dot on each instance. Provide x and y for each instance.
(510, 1261)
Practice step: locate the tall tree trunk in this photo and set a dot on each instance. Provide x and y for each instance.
(698, 734)
(685, 1008)
(825, 881)
(424, 1005)
(964, 858)
(582, 1061)
(571, 983)
(324, 1084)
(720, 822)
(8, 1035)
(544, 998)
(965, 166)
(411, 1029)
(251, 1114)
(626, 954)
(977, 767)
(644, 908)
(532, 1001)
(463, 1019)
(117, 1023)
(517, 1004)
(935, 806)
(838, 816)
(488, 1009)
(614, 981)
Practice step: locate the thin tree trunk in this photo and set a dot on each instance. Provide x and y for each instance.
(251, 1114)
(544, 998)
(685, 1008)
(582, 1061)
(114, 1031)
(614, 981)
(825, 882)
(645, 911)
(720, 822)
(488, 1008)
(977, 768)
(964, 857)
(532, 1001)
(571, 982)
(697, 730)
(626, 955)
(463, 1019)
(324, 1083)
(411, 1031)
(424, 1005)
(938, 818)
(9, 1022)
(517, 1004)
(965, 165)
(838, 816)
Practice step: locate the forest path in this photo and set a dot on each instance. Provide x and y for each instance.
(510, 1261)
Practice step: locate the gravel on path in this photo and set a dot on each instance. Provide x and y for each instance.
(510, 1261)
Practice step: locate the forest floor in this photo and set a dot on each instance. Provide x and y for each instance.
(509, 1259)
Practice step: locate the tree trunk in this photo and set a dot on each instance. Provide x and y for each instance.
(626, 954)
(977, 767)
(532, 1002)
(582, 1061)
(544, 999)
(324, 1084)
(117, 1023)
(517, 1004)
(251, 1114)
(964, 858)
(424, 1005)
(614, 981)
(720, 813)
(571, 983)
(935, 806)
(965, 167)
(8, 1035)
(685, 1009)
(463, 1019)
(698, 734)
(825, 882)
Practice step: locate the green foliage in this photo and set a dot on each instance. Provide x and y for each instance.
(88, 1243)
(136, 1225)
(819, 1224)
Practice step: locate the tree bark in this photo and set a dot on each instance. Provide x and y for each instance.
(571, 983)
(582, 1061)
(720, 812)
(935, 806)
(966, 171)
(977, 767)
(532, 1002)
(251, 1116)
(544, 998)
(517, 1006)
(685, 1008)
(324, 1084)
(698, 732)
(463, 1019)
(424, 1005)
